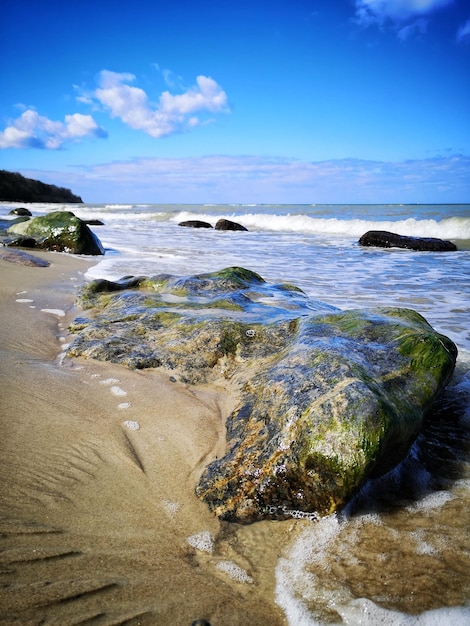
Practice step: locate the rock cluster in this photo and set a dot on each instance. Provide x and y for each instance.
(222, 224)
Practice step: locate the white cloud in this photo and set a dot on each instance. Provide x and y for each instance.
(79, 125)
(463, 34)
(32, 130)
(418, 26)
(172, 114)
(380, 11)
(277, 179)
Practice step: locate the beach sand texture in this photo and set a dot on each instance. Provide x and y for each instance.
(99, 523)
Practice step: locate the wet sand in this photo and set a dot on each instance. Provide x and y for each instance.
(99, 523)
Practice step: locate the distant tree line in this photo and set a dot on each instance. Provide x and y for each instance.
(16, 188)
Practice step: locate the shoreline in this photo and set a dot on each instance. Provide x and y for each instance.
(99, 522)
(98, 466)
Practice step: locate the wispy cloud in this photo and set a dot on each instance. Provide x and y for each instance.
(463, 34)
(172, 114)
(378, 11)
(32, 130)
(262, 179)
(418, 26)
(407, 17)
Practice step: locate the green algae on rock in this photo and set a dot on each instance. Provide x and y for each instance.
(60, 231)
(333, 410)
(201, 327)
(328, 398)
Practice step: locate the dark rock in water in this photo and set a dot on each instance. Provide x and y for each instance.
(224, 224)
(61, 231)
(20, 211)
(384, 239)
(328, 397)
(195, 224)
(94, 222)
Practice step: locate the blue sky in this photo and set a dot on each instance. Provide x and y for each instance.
(300, 101)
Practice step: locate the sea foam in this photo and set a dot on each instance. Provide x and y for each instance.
(448, 228)
(203, 541)
(234, 571)
(57, 312)
(304, 581)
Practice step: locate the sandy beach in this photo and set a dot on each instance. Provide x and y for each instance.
(99, 521)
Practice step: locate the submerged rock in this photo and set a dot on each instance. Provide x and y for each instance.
(328, 398)
(60, 231)
(384, 239)
(22, 258)
(201, 327)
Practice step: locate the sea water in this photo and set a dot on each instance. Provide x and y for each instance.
(399, 553)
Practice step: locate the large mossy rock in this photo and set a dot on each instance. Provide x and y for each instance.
(344, 402)
(60, 231)
(328, 398)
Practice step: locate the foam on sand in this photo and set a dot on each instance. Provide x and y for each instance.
(203, 541)
(319, 578)
(57, 312)
(131, 425)
(234, 571)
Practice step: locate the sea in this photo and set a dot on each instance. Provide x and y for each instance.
(399, 554)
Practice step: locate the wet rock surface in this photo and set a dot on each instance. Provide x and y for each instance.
(22, 258)
(327, 398)
(200, 327)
